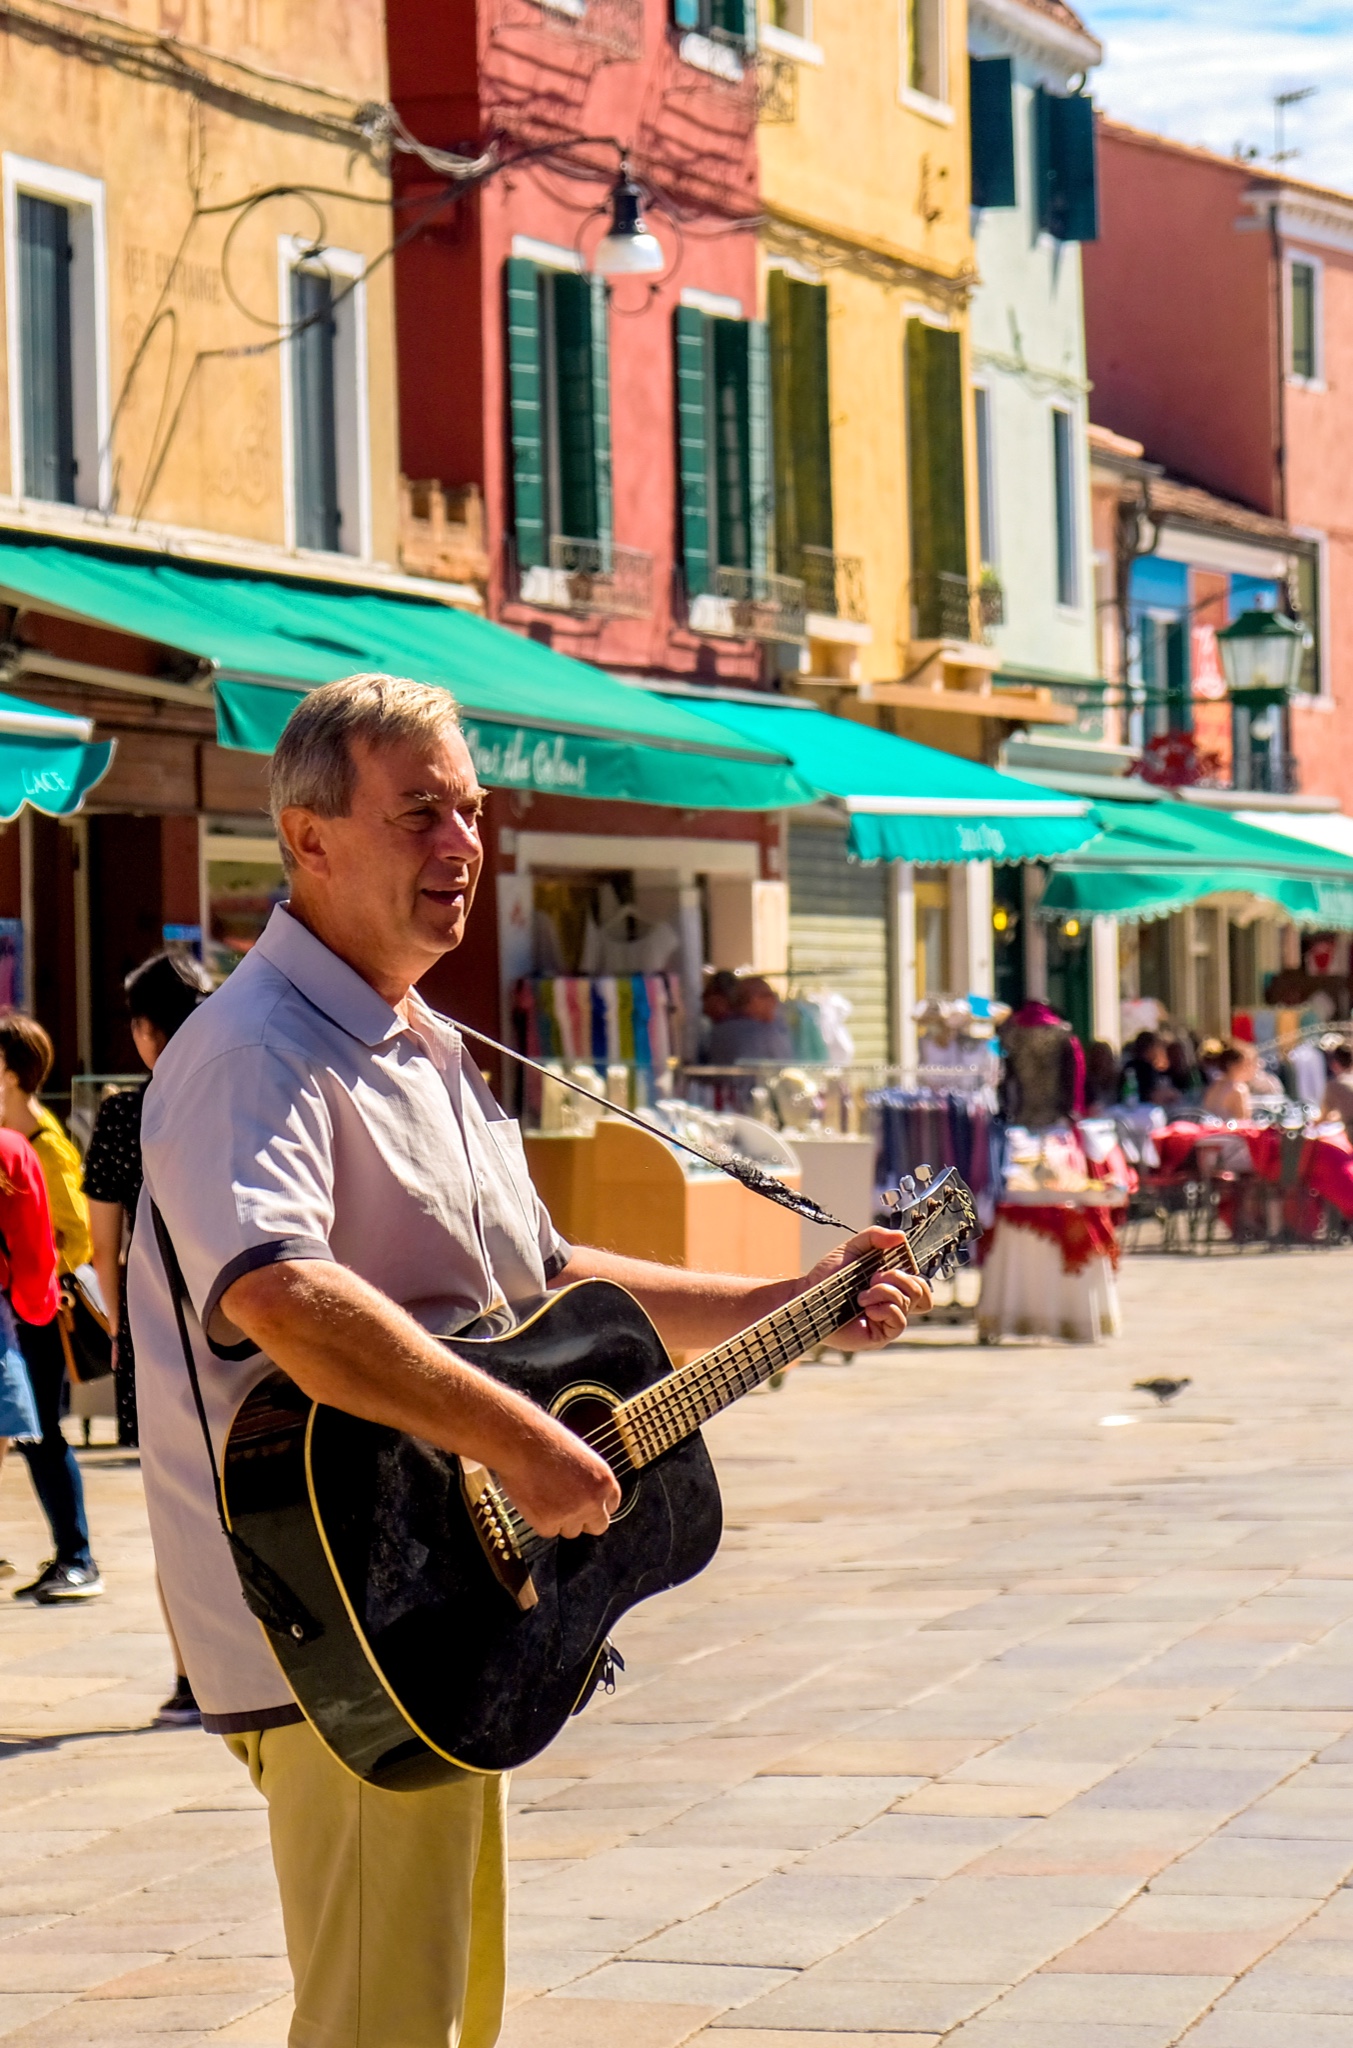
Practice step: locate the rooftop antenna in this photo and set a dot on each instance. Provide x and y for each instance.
(1281, 102)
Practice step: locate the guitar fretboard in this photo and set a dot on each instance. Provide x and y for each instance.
(666, 1413)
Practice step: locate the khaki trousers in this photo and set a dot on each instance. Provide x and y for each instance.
(394, 1903)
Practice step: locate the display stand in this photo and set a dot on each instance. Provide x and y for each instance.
(1050, 1270)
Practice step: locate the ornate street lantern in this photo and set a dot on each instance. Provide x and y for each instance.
(1261, 653)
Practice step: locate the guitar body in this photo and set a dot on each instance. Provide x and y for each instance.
(424, 1664)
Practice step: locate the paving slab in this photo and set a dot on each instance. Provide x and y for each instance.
(987, 1726)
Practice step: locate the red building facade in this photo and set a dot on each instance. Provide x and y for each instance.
(497, 294)
(1219, 329)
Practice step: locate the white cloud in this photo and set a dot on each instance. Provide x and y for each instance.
(1206, 71)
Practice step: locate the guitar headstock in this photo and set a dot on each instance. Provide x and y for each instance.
(939, 1216)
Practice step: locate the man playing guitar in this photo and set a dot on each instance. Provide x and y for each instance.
(337, 1183)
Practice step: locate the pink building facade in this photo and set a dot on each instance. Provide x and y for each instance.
(1219, 328)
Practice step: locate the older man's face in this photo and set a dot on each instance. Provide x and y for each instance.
(395, 879)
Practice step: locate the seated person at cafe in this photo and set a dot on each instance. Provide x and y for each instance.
(755, 1030)
(1149, 1061)
(1338, 1096)
(1228, 1096)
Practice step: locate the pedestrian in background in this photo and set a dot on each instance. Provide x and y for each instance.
(28, 1288)
(162, 993)
(25, 1062)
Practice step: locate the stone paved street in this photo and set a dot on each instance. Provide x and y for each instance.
(1015, 1713)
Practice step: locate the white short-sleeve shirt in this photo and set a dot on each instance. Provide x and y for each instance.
(295, 1116)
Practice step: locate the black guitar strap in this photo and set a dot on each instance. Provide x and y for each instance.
(744, 1170)
(267, 1596)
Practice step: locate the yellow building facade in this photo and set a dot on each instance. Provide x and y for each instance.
(194, 160)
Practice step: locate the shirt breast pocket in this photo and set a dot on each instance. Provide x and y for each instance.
(514, 1175)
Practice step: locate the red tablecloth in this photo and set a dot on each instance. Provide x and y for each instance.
(1082, 1233)
(1326, 1161)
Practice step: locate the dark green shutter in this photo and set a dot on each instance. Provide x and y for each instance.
(1064, 166)
(45, 350)
(939, 519)
(992, 115)
(575, 404)
(1303, 352)
(601, 408)
(732, 445)
(691, 336)
(1308, 612)
(759, 501)
(525, 411)
(1178, 684)
(318, 517)
(1064, 499)
(802, 418)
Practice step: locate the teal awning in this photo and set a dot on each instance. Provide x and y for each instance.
(1152, 859)
(906, 801)
(47, 759)
(535, 719)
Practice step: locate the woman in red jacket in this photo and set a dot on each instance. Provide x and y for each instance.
(28, 1285)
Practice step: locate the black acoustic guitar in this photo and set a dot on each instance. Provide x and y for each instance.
(423, 1626)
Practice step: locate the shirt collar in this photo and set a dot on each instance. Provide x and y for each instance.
(326, 981)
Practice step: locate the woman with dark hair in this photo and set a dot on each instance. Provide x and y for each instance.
(162, 994)
(25, 1062)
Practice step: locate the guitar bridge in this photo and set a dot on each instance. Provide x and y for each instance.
(494, 1523)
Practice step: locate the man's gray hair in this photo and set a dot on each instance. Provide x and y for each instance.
(313, 764)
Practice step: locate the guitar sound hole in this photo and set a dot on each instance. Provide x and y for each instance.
(587, 1412)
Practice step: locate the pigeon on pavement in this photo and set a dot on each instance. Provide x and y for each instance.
(1164, 1390)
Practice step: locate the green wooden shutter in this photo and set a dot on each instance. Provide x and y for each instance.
(732, 509)
(992, 131)
(1303, 348)
(1064, 166)
(939, 518)
(601, 408)
(686, 13)
(801, 418)
(760, 506)
(691, 337)
(45, 372)
(575, 404)
(525, 411)
(1178, 683)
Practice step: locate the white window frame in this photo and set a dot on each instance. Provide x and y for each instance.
(935, 106)
(1324, 693)
(1317, 267)
(986, 486)
(794, 43)
(88, 321)
(354, 427)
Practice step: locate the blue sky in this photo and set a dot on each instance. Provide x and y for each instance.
(1206, 71)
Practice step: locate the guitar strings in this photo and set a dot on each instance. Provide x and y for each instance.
(728, 1367)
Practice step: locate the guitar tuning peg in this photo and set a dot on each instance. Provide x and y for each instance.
(925, 1174)
(891, 1198)
(908, 1184)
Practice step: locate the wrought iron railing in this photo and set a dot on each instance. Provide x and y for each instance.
(990, 601)
(597, 577)
(833, 584)
(613, 26)
(749, 604)
(1274, 773)
(765, 606)
(942, 606)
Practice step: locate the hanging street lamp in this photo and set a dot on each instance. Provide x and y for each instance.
(628, 249)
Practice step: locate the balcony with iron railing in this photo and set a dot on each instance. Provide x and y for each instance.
(750, 604)
(943, 606)
(833, 585)
(594, 578)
